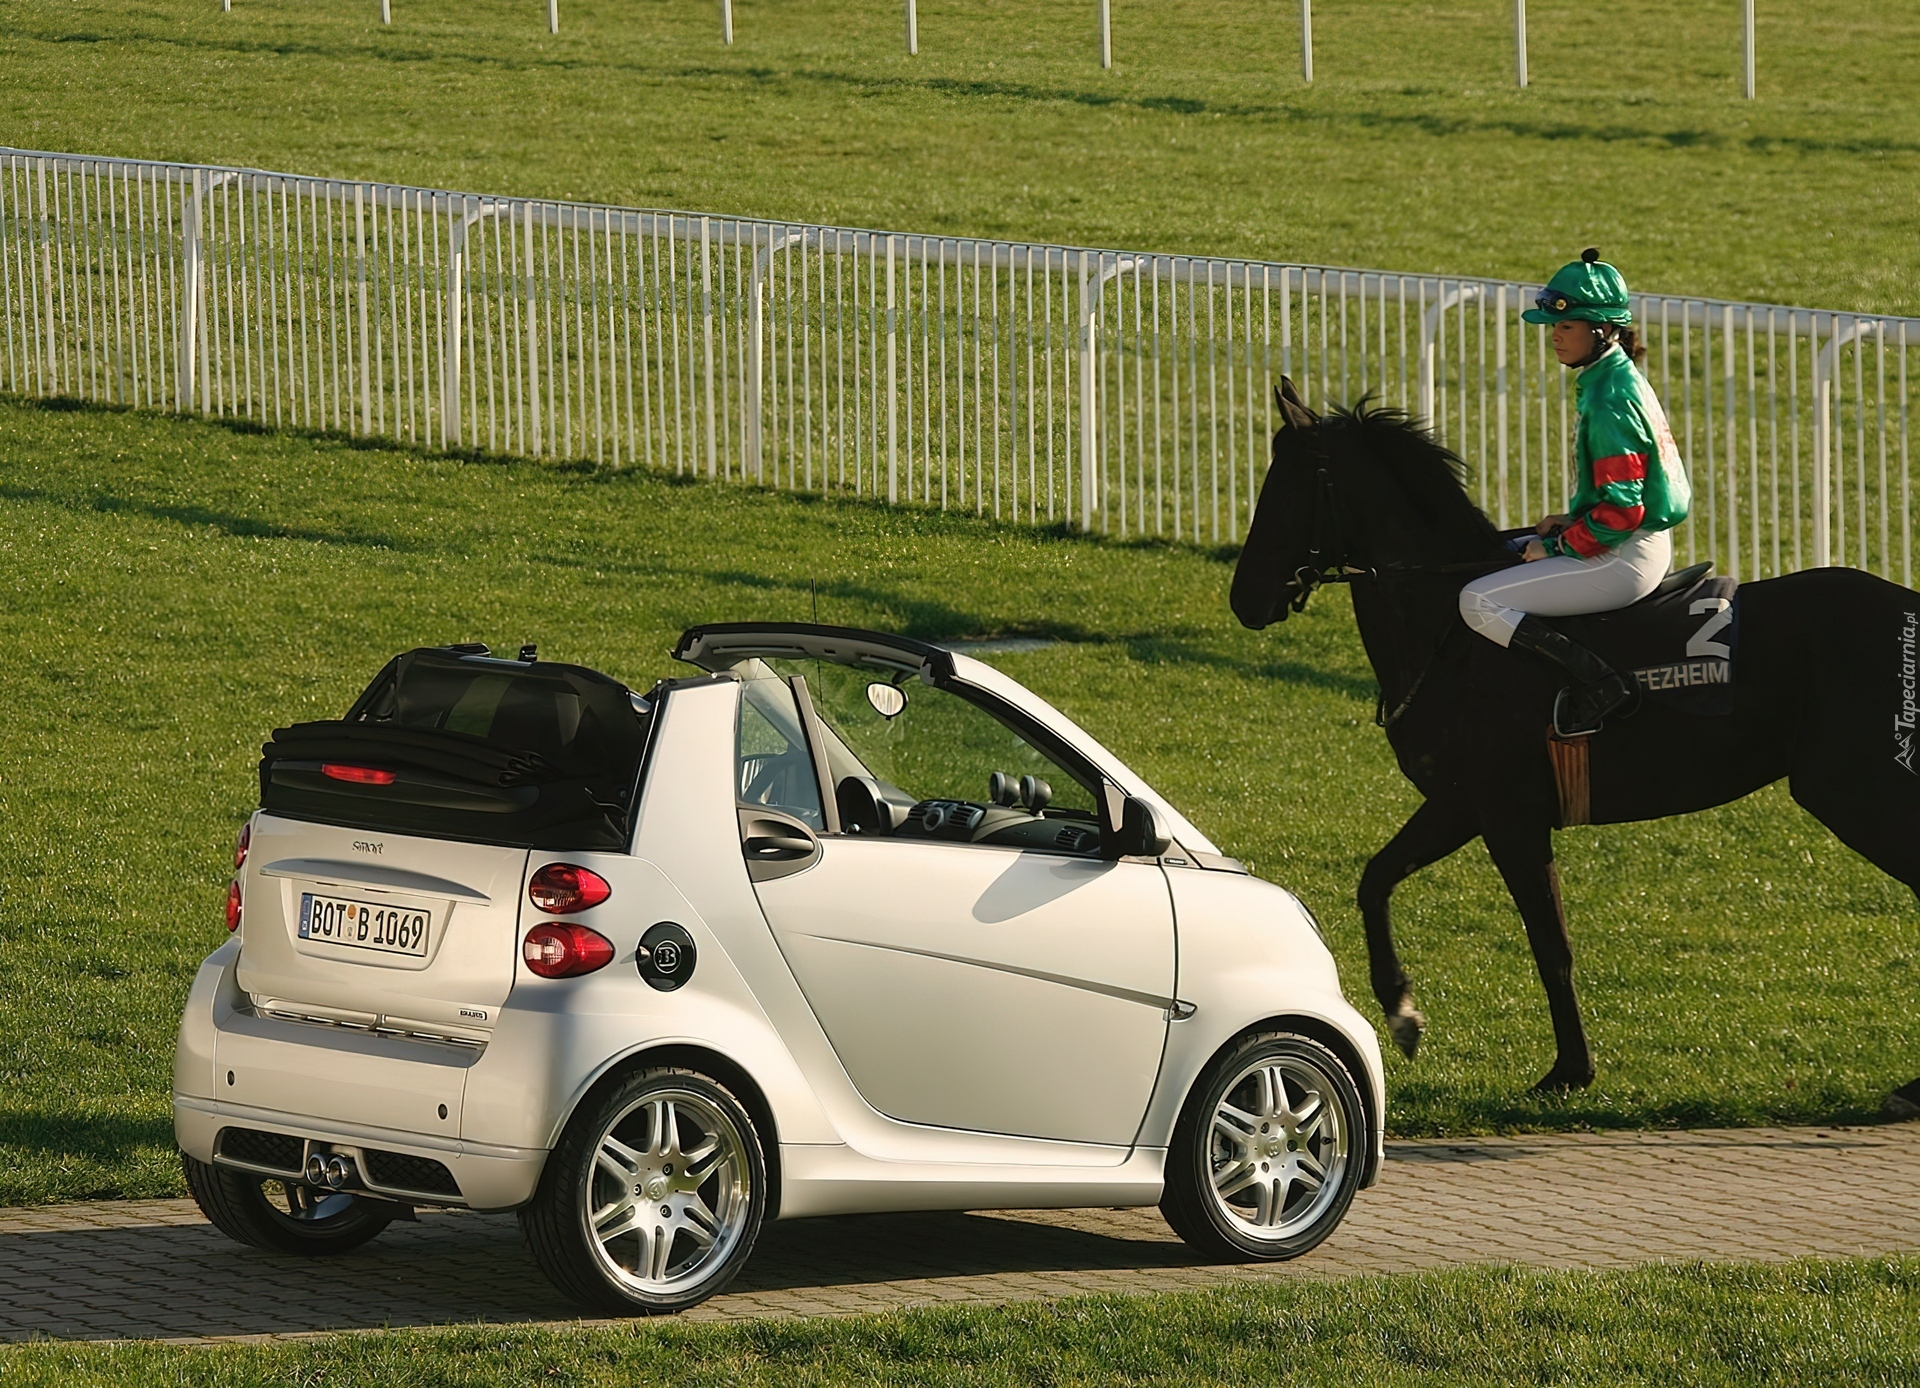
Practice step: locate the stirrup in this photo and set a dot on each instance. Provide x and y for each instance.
(1601, 698)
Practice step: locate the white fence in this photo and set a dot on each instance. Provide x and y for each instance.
(1118, 391)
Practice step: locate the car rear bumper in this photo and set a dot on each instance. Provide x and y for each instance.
(486, 1177)
(371, 1100)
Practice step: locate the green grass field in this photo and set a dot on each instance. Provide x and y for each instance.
(178, 588)
(1411, 151)
(1841, 1323)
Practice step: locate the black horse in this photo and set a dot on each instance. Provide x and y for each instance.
(1823, 693)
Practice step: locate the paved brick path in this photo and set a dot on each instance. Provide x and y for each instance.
(154, 1269)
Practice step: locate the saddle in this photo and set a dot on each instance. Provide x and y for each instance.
(1678, 645)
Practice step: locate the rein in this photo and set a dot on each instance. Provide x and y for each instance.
(1384, 720)
(1323, 570)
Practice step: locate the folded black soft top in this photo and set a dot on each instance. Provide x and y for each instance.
(452, 743)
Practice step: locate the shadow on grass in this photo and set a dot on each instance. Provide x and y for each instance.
(101, 1137)
(931, 619)
(587, 472)
(1169, 650)
(228, 523)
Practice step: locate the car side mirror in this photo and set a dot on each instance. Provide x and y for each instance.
(1129, 827)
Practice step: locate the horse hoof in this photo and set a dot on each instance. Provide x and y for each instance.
(1558, 1081)
(1903, 1103)
(1406, 1027)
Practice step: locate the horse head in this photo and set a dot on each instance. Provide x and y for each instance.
(1355, 492)
(1279, 555)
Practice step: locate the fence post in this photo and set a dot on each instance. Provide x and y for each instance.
(366, 340)
(756, 318)
(913, 28)
(1826, 365)
(450, 349)
(706, 314)
(1500, 395)
(1520, 41)
(188, 360)
(1444, 299)
(1106, 33)
(1428, 367)
(893, 397)
(1823, 360)
(1731, 397)
(553, 16)
(755, 385)
(386, 11)
(1746, 47)
(533, 339)
(726, 21)
(46, 287)
(1306, 40)
(1088, 435)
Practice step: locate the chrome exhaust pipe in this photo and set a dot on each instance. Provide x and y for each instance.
(330, 1171)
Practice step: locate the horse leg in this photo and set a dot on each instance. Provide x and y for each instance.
(1435, 831)
(1875, 811)
(1522, 849)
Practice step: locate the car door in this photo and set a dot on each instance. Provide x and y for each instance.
(1019, 990)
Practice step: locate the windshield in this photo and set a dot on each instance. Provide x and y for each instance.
(937, 747)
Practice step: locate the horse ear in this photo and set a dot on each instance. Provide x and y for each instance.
(1292, 408)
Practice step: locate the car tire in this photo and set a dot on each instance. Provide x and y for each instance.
(653, 1198)
(1268, 1152)
(283, 1216)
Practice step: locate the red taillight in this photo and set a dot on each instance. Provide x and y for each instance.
(241, 845)
(562, 951)
(560, 889)
(233, 906)
(359, 775)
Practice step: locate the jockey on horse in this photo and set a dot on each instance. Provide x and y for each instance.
(1612, 547)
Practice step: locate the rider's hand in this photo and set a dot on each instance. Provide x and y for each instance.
(1534, 550)
(1552, 525)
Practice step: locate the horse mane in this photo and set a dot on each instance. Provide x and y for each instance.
(1432, 475)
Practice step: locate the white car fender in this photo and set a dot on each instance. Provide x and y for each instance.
(210, 1001)
(1249, 954)
(557, 1038)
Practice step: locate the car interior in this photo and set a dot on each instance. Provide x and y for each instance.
(905, 760)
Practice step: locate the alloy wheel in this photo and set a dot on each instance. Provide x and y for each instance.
(668, 1197)
(1278, 1148)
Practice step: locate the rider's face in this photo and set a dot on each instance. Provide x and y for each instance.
(1573, 341)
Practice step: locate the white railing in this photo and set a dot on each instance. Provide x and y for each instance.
(1125, 392)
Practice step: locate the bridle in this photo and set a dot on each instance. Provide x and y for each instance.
(1320, 568)
(1323, 568)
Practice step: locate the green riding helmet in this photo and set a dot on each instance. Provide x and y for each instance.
(1589, 291)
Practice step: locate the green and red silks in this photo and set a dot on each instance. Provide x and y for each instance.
(1629, 473)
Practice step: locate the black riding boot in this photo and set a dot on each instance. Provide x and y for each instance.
(1600, 689)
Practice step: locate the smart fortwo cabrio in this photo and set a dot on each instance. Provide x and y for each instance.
(843, 922)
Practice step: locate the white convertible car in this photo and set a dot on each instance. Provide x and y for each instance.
(845, 922)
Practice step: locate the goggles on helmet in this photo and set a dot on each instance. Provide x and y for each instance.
(1553, 301)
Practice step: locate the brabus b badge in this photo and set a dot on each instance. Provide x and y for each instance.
(666, 956)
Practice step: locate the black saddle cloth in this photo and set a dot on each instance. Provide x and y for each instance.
(1679, 644)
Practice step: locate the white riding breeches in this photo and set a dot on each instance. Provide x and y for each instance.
(1566, 587)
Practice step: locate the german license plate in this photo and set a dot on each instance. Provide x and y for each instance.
(386, 929)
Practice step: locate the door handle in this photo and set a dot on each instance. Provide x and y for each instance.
(778, 846)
